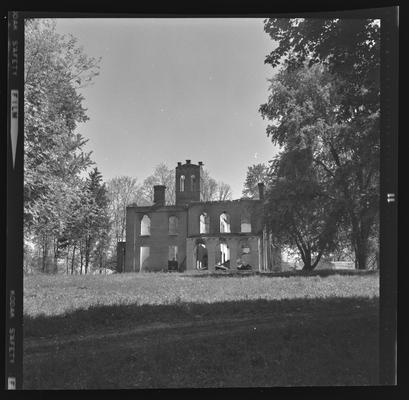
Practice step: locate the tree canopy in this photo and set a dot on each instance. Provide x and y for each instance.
(256, 173)
(54, 156)
(348, 47)
(55, 159)
(325, 98)
(301, 213)
(162, 175)
(122, 191)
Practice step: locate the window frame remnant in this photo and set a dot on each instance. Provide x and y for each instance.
(145, 225)
(182, 183)
(173, 225)
(173, 263)
(224, 251)
(172, 252)
(225, 222)
(144, 254)
(204, 223)
(245, 224)
(245, 255)
(201, 263)
(193, 182)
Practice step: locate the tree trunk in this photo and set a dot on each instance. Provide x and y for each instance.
(81, 258)
(87, 253)
(73, 258)
(317, 260)
(361, 253)
(55, 258)
(307, 266)
(360, 238)
(44, 255)
(306, 257)
(67, 260)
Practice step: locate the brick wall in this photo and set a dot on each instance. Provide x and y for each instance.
(120, 256)
(235, 209)
(159, 239)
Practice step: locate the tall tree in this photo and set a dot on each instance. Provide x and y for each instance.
(347, 132)
(300, 210)
(208, 187)
(122, 191)
(223, 191)
(72, 239)
(163, 175)
(256, 173)
(56, 68)
(96, 222)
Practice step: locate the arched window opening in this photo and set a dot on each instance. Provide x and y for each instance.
(204, 223)
(223, 255)
(145, 225)
(201, 258)
(173, 225)
(193, 183)
(224, 223)
(182, 183)
(244, 261)
(173, 258)
(245, 224)
(224, 252)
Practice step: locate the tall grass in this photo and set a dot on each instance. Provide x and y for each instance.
(58, 294)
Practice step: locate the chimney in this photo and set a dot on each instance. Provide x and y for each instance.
(201, 163)
(261, 190)
(187, 161)
(159, 194)
(179, 164)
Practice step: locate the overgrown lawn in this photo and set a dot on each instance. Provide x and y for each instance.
(58, 294)
(174, 330)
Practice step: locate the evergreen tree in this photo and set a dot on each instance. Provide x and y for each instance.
(96, 222)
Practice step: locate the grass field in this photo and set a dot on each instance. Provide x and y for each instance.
(177, 330)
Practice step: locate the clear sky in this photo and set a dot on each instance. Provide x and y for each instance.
(176, 89)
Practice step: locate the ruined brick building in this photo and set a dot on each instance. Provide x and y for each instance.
(194, 234)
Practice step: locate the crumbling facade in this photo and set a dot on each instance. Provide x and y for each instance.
(193, 234)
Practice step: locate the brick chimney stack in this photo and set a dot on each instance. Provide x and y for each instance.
(261, 190)
(159, 194)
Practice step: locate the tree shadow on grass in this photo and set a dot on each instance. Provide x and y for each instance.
(100, 317)
(331, 341)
